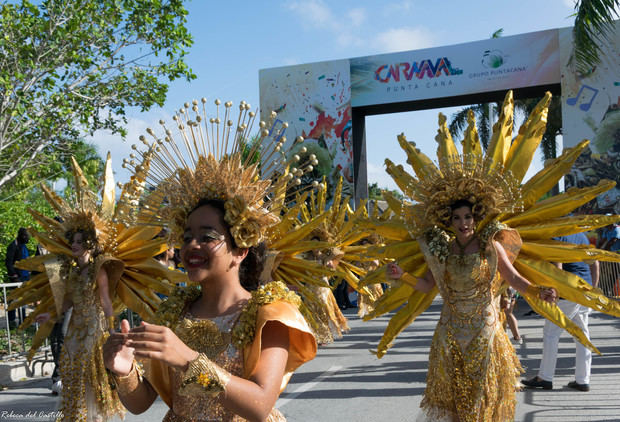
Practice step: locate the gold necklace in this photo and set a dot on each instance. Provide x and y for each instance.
(463, 247)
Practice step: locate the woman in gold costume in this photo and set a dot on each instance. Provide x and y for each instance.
(473, 368)
(96, 266)
(86, 394)
(223, 348)
(469, 222)
(331, 323)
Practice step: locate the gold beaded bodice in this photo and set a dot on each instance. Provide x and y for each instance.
(87, 315)
(468, 289)
(213, 338)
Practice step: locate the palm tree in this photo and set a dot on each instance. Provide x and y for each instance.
(487, 113)
(594, 25)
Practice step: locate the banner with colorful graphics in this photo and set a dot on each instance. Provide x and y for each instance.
(591, 110)
(315, 100)
(483, 66)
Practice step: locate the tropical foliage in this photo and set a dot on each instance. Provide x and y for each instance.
(74, 66)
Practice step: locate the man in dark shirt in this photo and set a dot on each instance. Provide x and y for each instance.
(576, 313)
(16, 251)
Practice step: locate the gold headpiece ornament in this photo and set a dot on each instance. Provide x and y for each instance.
(214, 158)
(492, 183)
(126, 252)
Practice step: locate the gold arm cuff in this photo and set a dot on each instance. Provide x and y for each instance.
(533, 291)
(111, 323)
(129, 383)
(202, 376)
(409, 279)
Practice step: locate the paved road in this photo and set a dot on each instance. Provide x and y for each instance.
(347, 383)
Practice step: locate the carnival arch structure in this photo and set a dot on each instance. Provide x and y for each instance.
(327, 102)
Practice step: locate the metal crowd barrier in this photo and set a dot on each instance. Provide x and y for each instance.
(609, 279)
(19, 318)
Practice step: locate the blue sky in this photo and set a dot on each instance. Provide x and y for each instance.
(233, 40)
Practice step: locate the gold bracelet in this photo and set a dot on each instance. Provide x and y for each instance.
(111, 324)
(128, 383)
(409, 279)
(203, 375)
(532, 290)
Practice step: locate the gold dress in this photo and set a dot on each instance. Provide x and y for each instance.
(215, 338)
(331, 323)
(86, 392)
(473, 368)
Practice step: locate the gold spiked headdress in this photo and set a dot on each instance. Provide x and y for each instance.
(493, 183)
(214, 158)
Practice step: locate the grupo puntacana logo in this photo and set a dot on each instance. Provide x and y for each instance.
(492, 59)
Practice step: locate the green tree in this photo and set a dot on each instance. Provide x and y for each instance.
(73, 66)
(594, 25)
(375, 193)
(58, 167)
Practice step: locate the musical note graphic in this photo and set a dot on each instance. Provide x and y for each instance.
(585, 107)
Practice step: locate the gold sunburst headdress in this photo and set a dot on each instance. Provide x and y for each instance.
(215, 157)
(125, 252)
(492, 183)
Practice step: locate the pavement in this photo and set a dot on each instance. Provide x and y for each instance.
(348, 383)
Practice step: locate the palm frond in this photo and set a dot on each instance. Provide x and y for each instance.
(594, 25)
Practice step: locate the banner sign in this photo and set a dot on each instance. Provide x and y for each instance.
(482, 66)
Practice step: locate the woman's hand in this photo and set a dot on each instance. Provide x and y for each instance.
(117, 355)
(159, 342)
(43, 318)
(549, 294)
(393, 271)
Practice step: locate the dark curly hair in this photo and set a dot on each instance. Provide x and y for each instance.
(478, 216)
(89, 239)
(252, 265)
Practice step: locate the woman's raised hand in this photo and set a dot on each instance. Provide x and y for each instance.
(393, 271)
(159, 342)
(117, 354)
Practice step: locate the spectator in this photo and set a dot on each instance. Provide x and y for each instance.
(610, 238)
(16, 251)
(579, 315)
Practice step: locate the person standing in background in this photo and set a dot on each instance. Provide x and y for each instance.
(16, 251)
(579, 315)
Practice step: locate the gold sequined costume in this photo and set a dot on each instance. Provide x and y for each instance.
(125, 254)
(86, 393)
(232, 342)
(472, 365)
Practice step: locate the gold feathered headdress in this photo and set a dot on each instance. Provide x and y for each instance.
(214, 158)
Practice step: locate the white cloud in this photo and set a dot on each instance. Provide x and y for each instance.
(569, 3)
(290, 61)
(106, 141)
(313, 13)
(316, 14)
(376, 174)
(403, 39)
(357, 16)
(397, 7)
